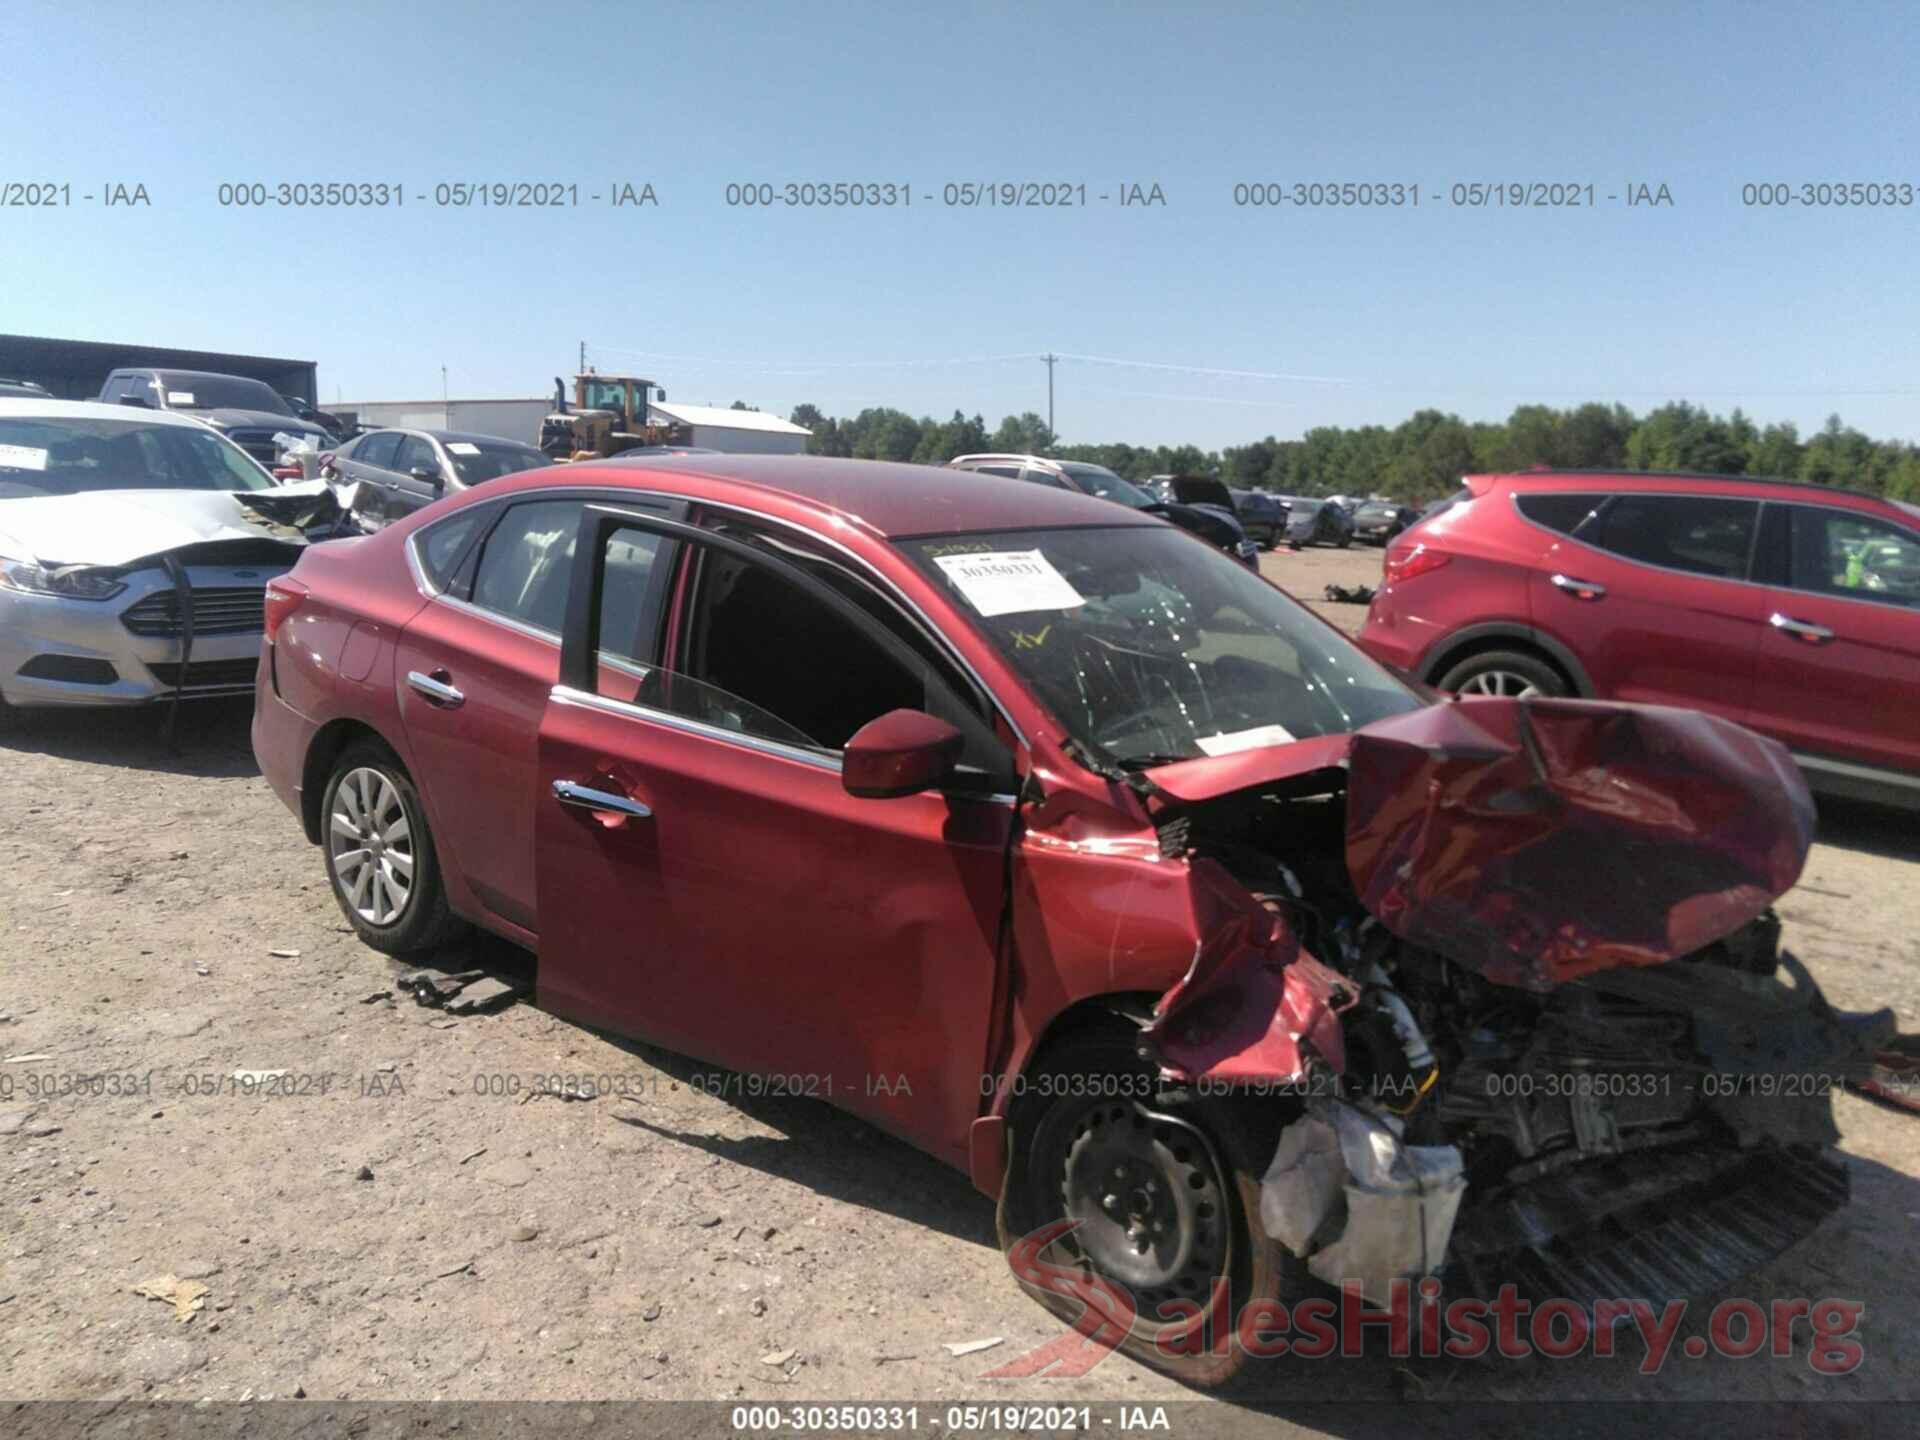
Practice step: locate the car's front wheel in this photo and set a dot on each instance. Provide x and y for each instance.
(1161, 1190)
(1503, 674)
(380, 856)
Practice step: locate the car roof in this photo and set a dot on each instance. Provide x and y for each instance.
(468, 437)
(196, 374)
(28, 407)
(1663, 479)
(893, 499)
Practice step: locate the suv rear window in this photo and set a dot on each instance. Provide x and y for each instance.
(1699, 534)
(1557, 510)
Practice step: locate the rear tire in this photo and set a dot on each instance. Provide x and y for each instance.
(1166, 1189)
(379, 853)
(1497, 674)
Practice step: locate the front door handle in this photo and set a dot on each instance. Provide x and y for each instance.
(1579, 589)
(568, 792)
(436, 689)
(1800, 629)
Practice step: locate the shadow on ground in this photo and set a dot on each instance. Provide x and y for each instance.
(210, 737)
(1869, 829)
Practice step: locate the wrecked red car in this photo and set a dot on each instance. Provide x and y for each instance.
(1054, 842)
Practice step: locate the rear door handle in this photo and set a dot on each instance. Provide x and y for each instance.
(436, 689)
(569, 792)
(1801, 629)
(1579, 589)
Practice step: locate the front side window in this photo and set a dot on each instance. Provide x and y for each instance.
(1150, 649)
(1698, 534)
(1838, 552)
(525, 564)
(378, 449)
(416, 453)
(757, 639)
(73, 456)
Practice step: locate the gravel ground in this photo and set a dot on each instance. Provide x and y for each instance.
(390, 1230)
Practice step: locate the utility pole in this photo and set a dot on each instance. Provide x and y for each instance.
(583, 359)
(446, 406)
(1051, 360)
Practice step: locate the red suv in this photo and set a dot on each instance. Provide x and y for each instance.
(1051, 839)
(1791, 608)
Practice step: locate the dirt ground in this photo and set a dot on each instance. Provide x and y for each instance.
(376, 1224)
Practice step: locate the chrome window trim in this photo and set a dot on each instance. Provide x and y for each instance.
(566, 695)
(593, 494)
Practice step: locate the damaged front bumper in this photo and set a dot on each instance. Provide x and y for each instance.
(1546, 1039)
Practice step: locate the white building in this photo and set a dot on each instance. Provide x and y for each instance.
(509, 419)
(740, 432)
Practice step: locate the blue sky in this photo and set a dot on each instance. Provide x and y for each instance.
(1789, 313)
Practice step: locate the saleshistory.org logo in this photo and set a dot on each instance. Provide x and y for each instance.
(1415, 1320)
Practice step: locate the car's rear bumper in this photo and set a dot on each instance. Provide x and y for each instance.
(282, 736)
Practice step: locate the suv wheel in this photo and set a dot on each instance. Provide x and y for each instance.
(380, 857)
(1503, 674)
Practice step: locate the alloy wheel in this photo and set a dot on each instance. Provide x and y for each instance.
(370, 840)
(1498, 684)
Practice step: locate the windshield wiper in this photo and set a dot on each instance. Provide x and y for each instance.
(1149, 761)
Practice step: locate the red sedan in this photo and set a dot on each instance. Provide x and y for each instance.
(1050, 839)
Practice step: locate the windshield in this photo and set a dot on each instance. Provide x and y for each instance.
(1098, 480)
(185, 390)
(69, 457)
(1153, 649)
(477, 461)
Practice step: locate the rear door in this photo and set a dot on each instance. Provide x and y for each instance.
(731, 900)
(1650, 592)
(1839, 673)
(474, 668)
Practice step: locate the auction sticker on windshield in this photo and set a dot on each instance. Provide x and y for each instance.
(1009, 582)
(22, 457)
(1244, 739)
(180, 397)
(463, 447)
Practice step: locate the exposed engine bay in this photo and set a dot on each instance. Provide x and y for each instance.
(1507, 1082)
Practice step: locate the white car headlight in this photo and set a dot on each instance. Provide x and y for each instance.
(70, 582)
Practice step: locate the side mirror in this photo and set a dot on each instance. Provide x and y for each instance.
(427, 475)
(901, 753)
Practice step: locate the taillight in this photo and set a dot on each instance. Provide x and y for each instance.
(286, 472)
(284, 596)
(1416, 559)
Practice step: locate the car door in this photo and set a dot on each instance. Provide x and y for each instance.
(474, 668)
(732, 900)
(419, 475)
(1839, 673)
(369, 466)
(1650, 593)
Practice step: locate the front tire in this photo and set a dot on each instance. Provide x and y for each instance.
(1504, 674)
(1165, 1189)
(380, 858)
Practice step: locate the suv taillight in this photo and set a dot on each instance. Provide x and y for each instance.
(284, 596)
(1416, 559)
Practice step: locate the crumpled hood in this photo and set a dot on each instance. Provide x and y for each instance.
(1535, 841)
(116, 527)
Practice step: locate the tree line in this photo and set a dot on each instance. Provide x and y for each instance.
(1424, 456)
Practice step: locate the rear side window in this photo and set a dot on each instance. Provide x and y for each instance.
(1554, 510)
(526, 562)
(1698, 534)
(441, 546)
